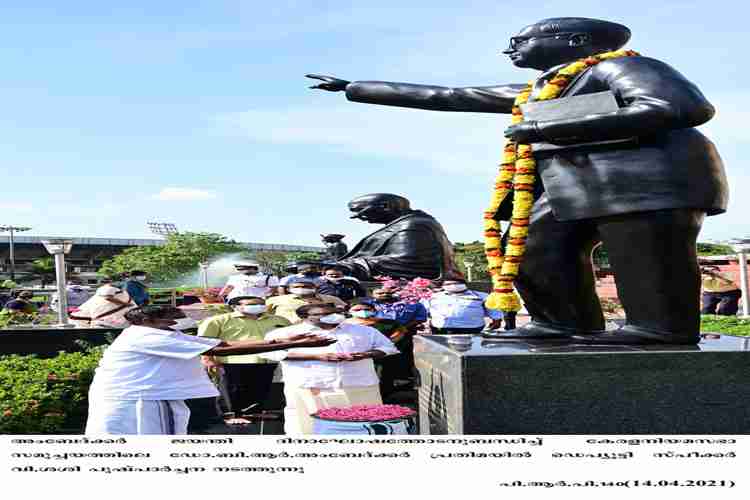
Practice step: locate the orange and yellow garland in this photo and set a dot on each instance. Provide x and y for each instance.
(517, 174)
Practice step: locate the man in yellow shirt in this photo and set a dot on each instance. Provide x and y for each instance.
(247, 378)
(720, 293)
(301, 293)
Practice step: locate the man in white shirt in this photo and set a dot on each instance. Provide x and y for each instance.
(145, 376)
(249, 282)
(338, 375)
(458, 310)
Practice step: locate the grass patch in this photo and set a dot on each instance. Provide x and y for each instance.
(730, 325)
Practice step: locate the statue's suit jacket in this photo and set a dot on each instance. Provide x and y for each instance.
(670, 164)
(412, 246)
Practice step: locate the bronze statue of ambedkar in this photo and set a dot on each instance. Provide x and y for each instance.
(645, 197)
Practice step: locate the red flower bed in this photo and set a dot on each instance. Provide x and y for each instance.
(365, 413)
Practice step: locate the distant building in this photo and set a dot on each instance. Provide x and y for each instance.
(88, 254)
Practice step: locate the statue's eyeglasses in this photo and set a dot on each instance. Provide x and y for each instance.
(517, 41)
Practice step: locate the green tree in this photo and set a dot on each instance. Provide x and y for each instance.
(472, 253)
(44, 270)
(181, 253)
(276, 262)
(714, 249)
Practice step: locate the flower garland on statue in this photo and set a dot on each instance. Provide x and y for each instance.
(517, 175)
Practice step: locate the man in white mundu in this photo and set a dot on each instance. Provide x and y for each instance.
(338, 375)
(145, 376)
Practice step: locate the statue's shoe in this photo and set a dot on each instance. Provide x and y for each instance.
(537, 330)
(634, 335)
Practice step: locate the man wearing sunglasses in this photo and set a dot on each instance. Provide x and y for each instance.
(640, 179)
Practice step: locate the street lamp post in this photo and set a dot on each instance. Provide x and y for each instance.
(742, 247)
(204, 275)
(58, 248)
(10, 230)
(469, 266)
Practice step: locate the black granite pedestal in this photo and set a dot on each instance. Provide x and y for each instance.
(546, 387)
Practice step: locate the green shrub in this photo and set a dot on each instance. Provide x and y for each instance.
(730, 325)
(10, 319)
(46, 396)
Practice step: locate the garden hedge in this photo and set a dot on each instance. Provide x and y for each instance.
(46, 396)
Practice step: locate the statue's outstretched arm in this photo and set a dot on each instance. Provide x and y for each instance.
(490, 99)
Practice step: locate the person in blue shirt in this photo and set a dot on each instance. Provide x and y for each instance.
(305, 271)
(405, 318)
(136, 287)
(335, 283)
(456, 310)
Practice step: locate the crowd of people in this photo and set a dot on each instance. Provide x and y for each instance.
(335, 343)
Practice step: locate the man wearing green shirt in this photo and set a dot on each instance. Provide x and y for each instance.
(247, 378)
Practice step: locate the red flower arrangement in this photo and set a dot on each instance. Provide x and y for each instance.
(408, 291)
(365, 413)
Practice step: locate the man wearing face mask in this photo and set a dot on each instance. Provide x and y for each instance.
(404, 319)
(306, 271)
(363, 313)
(344, 287)
(338, 375)
(136, 287)
(460, 311)
(147, 373)
(249, 282)
(302, 292)
(247, 378)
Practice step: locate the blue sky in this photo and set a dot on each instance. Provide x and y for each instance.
(197, 113)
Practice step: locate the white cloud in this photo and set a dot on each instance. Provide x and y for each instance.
(16, 206)
(449, 142)
(184, 194)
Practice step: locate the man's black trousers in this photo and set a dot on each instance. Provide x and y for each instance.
(247, 385)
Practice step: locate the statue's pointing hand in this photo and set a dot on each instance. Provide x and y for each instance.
(524, 133)
(330, 83)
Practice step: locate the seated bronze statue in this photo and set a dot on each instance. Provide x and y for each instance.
(412, 244)
(640, 179)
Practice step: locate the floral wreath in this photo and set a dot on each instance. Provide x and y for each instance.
(517, 175)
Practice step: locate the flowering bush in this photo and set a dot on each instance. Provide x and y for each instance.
(365, 413)
(45, 396)
(409, 291)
